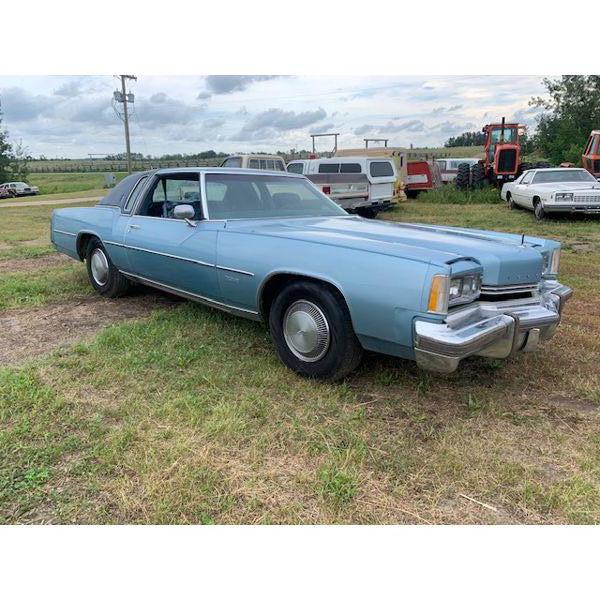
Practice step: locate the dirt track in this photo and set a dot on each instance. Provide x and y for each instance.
(27, 333)
(48, 202)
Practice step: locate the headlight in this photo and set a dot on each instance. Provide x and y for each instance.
(563, 197)
(447, 292)
(551, 263)
(464, 289)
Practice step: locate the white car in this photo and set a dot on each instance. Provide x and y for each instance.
(20, 188)
(554, 191)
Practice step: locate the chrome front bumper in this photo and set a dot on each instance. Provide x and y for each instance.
(492, 329)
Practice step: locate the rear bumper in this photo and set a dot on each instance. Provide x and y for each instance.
(492, 329)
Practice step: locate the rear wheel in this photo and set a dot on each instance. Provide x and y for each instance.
(367, 213)
(311, 328)
(478, 175)
(105, 278)
(463, 177)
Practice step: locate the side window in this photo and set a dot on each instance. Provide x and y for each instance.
(350, 168)
(279, 165)
(381, 169)
(527, 177)
(270, 165)
(588, 146)
(253, 163)
(263, 163)
(329, 168)
(442, 164)
(135, 194)
(169, 191)
(295, 168)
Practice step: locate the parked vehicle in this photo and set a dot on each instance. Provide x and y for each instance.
(19, 188)
(449, 167)
(591, 155)
(397, 154)
(271, 247)
(554, 191)
(423, 175)
(502, 157)
(358, 184)
(4, 193)
(268, 162)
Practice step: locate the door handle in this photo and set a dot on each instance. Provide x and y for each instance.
(134, 226)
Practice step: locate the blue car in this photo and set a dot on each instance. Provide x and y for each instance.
(271, 247)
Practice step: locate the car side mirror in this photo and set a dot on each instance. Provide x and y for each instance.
(184, 211)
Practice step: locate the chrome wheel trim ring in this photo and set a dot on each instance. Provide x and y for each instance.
(99, 267)
(306, 331)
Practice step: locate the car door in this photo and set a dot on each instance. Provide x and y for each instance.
(175, 253)
(521, 189)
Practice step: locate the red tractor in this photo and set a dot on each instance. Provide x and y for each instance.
(502, 160)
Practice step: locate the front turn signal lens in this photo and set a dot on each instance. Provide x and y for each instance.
(438, 294)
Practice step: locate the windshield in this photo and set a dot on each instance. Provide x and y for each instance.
(258, 197)
(564, 176)
(510, 135)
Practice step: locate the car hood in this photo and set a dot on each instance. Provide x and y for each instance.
(506, 258)
(571, 186)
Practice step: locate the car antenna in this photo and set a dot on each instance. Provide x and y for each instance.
(522, 239)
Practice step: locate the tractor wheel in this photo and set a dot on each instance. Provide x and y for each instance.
(525, 167)
(478, 175)
(463, 177)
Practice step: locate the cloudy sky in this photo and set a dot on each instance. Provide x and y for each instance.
(74, 116)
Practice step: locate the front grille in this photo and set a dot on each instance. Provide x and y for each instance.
(587, 199)
(507, 161)
(498, 293)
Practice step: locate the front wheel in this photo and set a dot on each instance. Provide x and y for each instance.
(105, 278)
(311, 328)
(538, 211)
(510, 202)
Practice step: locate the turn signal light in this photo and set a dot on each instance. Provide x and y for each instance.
(438, 294)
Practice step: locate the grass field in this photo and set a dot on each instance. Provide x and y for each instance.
(60, 183)
(186, 415)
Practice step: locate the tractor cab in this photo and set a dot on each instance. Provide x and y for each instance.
(591, 155)
(502, 151)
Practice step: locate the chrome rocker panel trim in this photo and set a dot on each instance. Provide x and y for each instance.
(492, 329)
(234, 310)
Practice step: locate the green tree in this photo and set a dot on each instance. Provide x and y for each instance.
(469, 138)
(572, 110)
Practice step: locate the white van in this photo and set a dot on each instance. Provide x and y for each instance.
(266, 162)
(358, 183)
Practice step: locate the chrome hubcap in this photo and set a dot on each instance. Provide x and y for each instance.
(306, 331)
(99, 267)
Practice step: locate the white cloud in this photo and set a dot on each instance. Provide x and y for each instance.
(71, 116)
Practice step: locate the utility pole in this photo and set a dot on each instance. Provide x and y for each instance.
(124, 97)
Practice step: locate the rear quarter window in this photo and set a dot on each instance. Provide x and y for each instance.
(295, 168)
(135, 194)
(381, 168)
